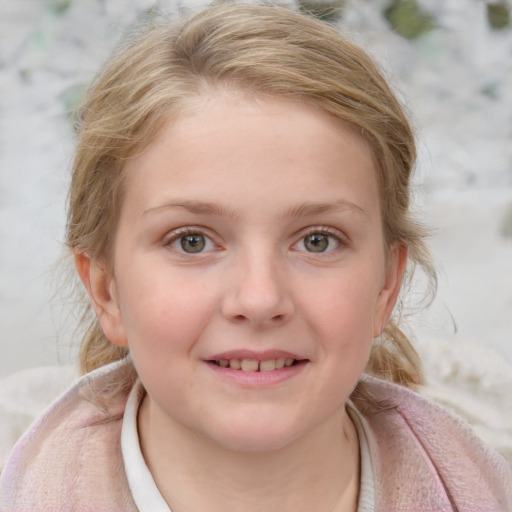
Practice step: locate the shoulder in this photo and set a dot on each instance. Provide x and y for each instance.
(423, 454)
(71, 455)
(24, 395)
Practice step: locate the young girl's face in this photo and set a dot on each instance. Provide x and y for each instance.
(250, 273)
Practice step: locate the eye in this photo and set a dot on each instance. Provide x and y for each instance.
(190, 243)
(193, 243)
(318, 242)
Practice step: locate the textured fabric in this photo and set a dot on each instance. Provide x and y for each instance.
(423, 459)
(70, 459)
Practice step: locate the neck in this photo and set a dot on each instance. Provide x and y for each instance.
(318, 472)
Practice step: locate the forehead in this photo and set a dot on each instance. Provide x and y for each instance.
(227, 144)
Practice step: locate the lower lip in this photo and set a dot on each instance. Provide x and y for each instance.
(259, 379)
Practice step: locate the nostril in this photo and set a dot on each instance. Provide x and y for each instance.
(256, 308)
(243, 318)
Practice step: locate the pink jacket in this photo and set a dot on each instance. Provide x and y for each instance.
(423, 459)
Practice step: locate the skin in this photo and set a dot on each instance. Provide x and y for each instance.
(257, 180)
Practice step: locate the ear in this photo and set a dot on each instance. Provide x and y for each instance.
(388, 295)
(102, 292)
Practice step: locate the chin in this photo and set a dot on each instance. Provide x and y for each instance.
(254, 437)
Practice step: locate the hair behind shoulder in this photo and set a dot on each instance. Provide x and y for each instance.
(265, 51)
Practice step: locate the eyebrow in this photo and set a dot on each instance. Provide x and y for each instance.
(197, 207)
(305, 209)
(299, 210)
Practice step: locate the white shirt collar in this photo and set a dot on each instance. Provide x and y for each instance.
(145, 493)
(366, 501)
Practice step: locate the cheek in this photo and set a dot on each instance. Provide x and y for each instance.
(345, 308)
(163, 328)
(164, 312)
(343, 319)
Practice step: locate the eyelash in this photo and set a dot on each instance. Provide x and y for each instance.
(332, 233)
(340, 239)
(180, 233)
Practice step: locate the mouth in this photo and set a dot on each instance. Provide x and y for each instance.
(255, 365)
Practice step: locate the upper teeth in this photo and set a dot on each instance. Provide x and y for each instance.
(253, 365)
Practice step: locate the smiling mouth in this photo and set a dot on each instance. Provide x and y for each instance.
(253, 365)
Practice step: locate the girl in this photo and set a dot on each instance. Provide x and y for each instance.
(239, 216)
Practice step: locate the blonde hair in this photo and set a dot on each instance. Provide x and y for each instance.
(262, 50)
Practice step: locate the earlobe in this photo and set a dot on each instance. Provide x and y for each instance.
(101, 289)
(388, 295)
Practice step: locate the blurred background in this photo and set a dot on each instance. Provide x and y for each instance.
(450, 61)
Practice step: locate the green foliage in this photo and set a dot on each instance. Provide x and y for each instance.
(25, 75)
(491, 90)
(148, 15)
(58, 7)
(498, 15)
(326, 10)
(42, 38)
(408, 19)
(506, 227)
(72, 97)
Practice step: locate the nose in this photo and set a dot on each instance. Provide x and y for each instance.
(258, 292)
